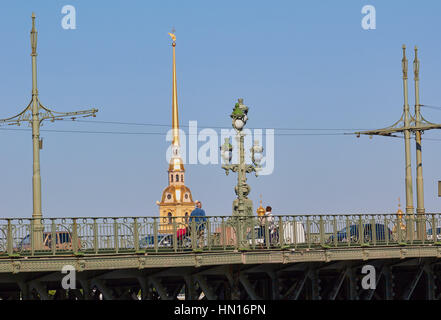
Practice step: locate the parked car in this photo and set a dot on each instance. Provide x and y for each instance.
(430, 233)
(381, 231)
(63, 241)
(164, 240)
(288, 234)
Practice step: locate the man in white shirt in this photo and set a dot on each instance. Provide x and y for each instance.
(268, 220)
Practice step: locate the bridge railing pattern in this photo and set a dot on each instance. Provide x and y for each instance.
(56, 236)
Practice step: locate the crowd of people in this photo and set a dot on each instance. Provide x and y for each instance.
(198, 220)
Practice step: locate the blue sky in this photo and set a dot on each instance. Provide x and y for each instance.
(297, 64)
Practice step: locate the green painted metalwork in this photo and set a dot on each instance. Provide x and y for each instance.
(35, 113)
(121, 235)
(242, 206)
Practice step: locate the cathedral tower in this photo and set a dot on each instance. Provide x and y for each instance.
(176, 198)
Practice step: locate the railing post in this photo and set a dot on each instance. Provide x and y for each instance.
(322, 233)
(281, 233)
(155, 233)
(95, 236)
(418, 226)
(374, 231)
(174, 235)
(407, 229)
(32, 237)
(434, 233)
(398, 226)
(308, 232)
(360, 230)
(267, 234)
(253, 233)
(335, 231)
(223, 233)
(387, 228)
(115, 235)
(294, 225)
(10, 239)
(53, 236)
(74, 236)
(193, 234)
(208, 233)
(348, 231)
(135, 234)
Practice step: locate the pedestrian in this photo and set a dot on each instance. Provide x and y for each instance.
(198, 216)
(268, 221)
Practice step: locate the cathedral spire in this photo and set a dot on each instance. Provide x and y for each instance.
(175, 119)
(176, 203)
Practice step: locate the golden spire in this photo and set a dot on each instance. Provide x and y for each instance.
(175, 120)
(399, 211)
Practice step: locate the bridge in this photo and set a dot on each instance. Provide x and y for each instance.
(308, 257)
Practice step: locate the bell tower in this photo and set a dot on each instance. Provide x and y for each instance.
(176, 198)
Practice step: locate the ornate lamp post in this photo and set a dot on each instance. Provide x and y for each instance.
(242, 206)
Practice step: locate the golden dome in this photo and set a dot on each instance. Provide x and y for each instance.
(399, 211)
(176, 194)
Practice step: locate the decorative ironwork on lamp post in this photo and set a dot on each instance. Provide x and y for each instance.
(242, 206)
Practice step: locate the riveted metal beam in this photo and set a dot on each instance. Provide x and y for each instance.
(248, 287)
(162, 291)
(275, 293)
(25, 290)
(206, 287)
(299, 287)
(40, 288)
(430, 284)
(352, 284)
(412, 285)
(101, 285)
(337, 285)
(87, 288)
(371, 292)
(190, 288)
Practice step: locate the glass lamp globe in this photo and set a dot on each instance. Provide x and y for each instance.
(238, 124)
(258, 157)
(226, 155)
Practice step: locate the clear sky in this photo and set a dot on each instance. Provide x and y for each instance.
(297, 64)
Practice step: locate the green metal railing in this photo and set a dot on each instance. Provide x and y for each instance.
(120, 235)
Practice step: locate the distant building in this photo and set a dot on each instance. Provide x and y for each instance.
(400, 218)
(261, 210)
(176, 199)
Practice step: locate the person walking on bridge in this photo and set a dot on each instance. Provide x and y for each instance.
(198, 215)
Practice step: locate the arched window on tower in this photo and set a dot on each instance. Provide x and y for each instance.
(186, 218)
(177, 178)
(171, 177)
(170, 218)
(182, 178)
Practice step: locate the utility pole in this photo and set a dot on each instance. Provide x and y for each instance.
(408, 125)
(35, 113)
(419, 162)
